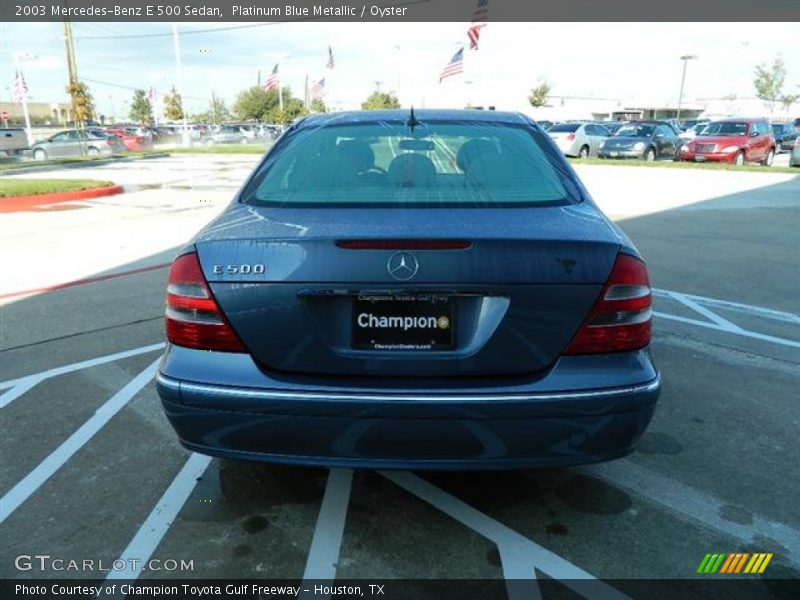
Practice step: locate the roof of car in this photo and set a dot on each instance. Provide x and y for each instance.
(423, 114)
(738, 119)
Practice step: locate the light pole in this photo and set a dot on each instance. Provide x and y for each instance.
(685, 58)
(186, 140)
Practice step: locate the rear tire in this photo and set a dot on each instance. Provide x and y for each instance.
(649, 155)
(39, 154)
(767, 162)
(583, 153)
(739, 160)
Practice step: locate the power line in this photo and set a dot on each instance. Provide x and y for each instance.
(188, 32)
(127, 87)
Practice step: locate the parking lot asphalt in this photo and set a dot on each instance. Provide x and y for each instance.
(91, 468)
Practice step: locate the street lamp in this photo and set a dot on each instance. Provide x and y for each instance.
(185, 138)
(685, 58)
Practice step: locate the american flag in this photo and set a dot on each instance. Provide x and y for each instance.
(273, 81)
(20, 87)
(455, 66)
(318, 90)
(479, 19)
(331, 62)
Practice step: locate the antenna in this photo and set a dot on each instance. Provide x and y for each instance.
(412, 120)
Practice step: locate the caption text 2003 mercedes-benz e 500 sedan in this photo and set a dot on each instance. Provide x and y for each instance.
(400, 289)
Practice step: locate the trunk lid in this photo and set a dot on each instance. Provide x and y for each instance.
(514, 297)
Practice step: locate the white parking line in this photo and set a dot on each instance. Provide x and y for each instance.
(519, 556)
(767, 313)
(698, 506)
(23, 490)
(15, 392)
(158, 522)
(93, 362)
(743, 332)
(324, 552)
(712, 316)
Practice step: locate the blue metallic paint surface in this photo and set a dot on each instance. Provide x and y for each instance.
(305, 397)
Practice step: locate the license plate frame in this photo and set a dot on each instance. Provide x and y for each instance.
(402, 322)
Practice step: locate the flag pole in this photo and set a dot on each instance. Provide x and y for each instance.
(305, 95)
(24, 100)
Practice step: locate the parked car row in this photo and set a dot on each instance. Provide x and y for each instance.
(646, 140)
(736, 140)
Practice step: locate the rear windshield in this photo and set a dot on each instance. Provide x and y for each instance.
(388, 164)
(725, 128)
(635, 131)
(564, 128)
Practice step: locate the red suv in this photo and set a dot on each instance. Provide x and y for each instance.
(736, 141)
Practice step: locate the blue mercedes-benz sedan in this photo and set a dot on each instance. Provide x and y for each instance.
(416, 290)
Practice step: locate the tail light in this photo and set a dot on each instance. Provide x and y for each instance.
(193, 317)
(571, 137)
(621, 319)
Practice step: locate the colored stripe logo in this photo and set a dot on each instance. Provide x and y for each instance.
(736, 562)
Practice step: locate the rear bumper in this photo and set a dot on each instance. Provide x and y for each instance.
(408, 429)
(620, 153)
(726, 157)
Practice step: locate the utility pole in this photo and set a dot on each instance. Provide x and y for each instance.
(72, 67)
(685, 58)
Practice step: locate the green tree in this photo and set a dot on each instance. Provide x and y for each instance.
(173, 105)
(81, 102)
(787, 100)
(141, 111)
(539, 94)
(217, 112)
(256, 104)
(769, 82)
(378, 100)
(293, 108)
(318, 106)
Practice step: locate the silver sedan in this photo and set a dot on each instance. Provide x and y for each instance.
(578, 139)
(75, 143)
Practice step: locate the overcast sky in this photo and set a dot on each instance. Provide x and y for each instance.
(637, 61)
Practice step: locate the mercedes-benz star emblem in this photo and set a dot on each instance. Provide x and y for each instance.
(402, 266)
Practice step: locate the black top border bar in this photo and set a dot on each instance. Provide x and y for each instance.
(398, 11)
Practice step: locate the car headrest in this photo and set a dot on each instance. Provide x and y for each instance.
(474, 150)
(354, 156)
(412, 170)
